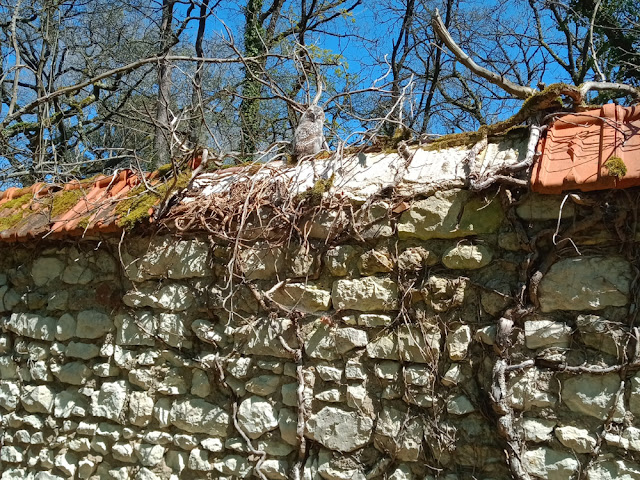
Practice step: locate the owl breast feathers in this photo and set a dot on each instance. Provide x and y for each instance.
(308, 139)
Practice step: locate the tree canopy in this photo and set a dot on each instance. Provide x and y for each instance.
(90, 86)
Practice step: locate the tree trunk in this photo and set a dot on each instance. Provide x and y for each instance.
(162, 130)
(250, 107)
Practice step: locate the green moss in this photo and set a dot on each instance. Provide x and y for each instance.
(64, 201)
(315, 193)
(136, 207)
(548, 99)
(11, 221)
(84, 222)
(17, 202)
(616, 167)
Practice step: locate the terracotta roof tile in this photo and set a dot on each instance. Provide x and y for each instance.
(85, 208)
(577, 148)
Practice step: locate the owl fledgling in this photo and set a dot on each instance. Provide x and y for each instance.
(308, 139)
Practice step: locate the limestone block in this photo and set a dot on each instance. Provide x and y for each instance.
(328, 343)
(85, 351)
(613, 469)
(585, 283)
(123, 452)
(261, 262)
(373, 320)
(537, 429)
(358, 397)
(354, 370)
(399, 433)
(37, 399)
(338, 259)
(375, 261)
(77, 274)
(450, 214)
(593, 395)
(140, 408)
(301, 263)
(263, 385)
(538, 208)
(234, 465)
(8, 368)
(634, 396)
(387, 370)
(93, 324)
(257, 416)
(305, 297)
(70, 403)
(330, 468)
(467, 257)
(453, 376)
(173, 382)
(135, 330)
(632, 436)
(416, 258)
(418, 375)
(331, 395)
(530, 389)
(486, 335)
(458, 342)
(172, 329)
(577, 439)
(74, 373)
(460, 405)
(45, 270)
(212, 444)
(287, 423)
(443, 294)
(402, 472)
(11, 454)
(339, 429)
(263, 337)
(3, 290)
(326, 224)
(200, 386)
(239, 367)
(546, 333)
(194, 415)
(199, 460)
(329, 374)
(67, 462)
(110, 400)
(150, 455)
(32, 326)
(365, 294)
(275, 469)
(419, 344)
(173, 297)
(599, 333)
(9, 395)
(550, 464)
(65, 327)
(168, 258)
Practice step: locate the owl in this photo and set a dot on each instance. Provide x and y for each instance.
(308, 139)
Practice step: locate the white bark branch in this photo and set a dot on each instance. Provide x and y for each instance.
(514, 89)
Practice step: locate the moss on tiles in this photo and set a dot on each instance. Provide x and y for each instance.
(11, 221)
(135, 207)
(64, 201)
(616, 167)
(17, 202)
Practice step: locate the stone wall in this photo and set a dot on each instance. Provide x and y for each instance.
(450, 340)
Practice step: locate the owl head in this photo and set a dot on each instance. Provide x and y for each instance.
(314, 113)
